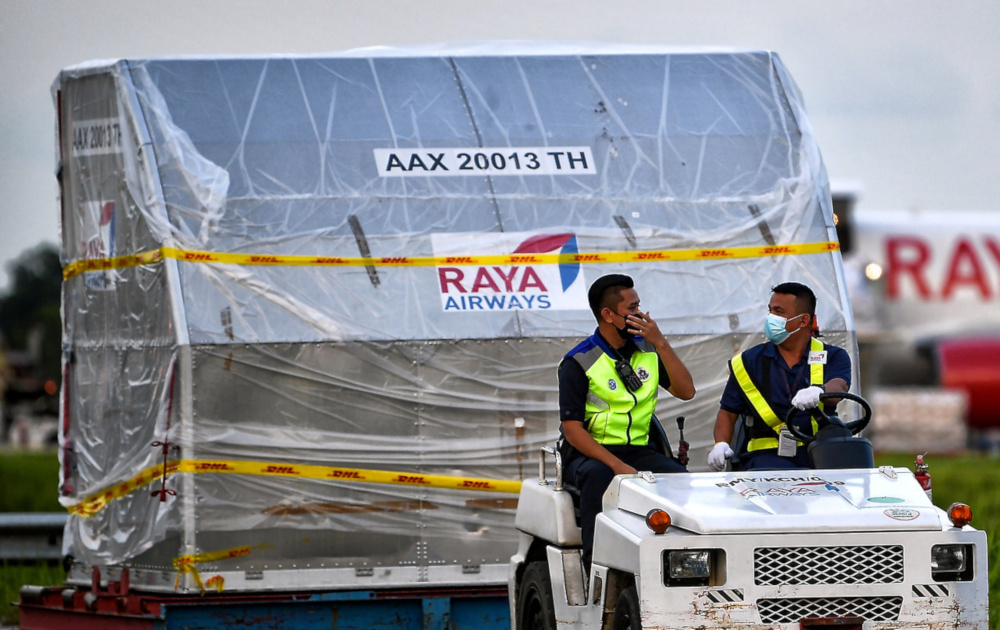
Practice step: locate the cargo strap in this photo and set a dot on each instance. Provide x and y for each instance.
(86, 265)
(98, 501)
(186, 565)
(759, 403)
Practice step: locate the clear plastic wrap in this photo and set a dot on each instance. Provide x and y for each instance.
(333, 291)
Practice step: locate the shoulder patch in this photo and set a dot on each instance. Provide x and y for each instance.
(589, 358)
(644, 345)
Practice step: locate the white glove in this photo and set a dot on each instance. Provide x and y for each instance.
(717, 458)
(807, 398)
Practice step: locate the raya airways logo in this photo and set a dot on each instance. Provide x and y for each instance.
(98, 230)
(527, 285)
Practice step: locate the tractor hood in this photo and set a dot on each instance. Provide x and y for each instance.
(856, 500)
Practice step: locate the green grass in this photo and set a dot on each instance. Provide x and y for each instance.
(29, 483)
(14, 576)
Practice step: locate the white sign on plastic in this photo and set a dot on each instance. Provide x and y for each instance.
(528, 286)
(461, 162)
(100, 136)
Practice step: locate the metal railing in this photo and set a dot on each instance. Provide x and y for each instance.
(31, 535)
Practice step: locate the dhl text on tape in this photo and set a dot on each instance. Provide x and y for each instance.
(186, 564)
(144, 258)
(98, 501)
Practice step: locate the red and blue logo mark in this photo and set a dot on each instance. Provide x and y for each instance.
(527, 285)
(545, 243)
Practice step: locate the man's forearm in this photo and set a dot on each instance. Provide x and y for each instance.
(681, 383)
(835, 385)
(724, 423)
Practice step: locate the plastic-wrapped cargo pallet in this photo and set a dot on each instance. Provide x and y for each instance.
(331, 292)
(918, 420)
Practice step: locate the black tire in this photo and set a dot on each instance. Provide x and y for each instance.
(627, 611)
(534, 601)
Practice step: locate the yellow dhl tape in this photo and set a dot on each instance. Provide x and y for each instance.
(214, 556)
(98, 501)
(186, 564)
(144, 258)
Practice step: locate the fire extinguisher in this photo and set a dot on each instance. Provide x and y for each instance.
(923, 477)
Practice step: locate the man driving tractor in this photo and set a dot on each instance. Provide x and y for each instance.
(792, 369)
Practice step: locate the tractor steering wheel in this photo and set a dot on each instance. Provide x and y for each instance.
(824, 420)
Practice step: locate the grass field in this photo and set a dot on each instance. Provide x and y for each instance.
(29, 483)
(13, 576)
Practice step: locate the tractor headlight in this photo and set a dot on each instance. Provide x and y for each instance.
(951, 563)
(691, 567)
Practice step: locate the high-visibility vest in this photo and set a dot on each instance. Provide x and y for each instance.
(614, 415)
(760, 404)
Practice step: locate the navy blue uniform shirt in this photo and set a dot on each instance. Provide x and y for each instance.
(785, 380)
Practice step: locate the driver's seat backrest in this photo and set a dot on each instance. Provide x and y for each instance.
(658, 437)
(739, 443)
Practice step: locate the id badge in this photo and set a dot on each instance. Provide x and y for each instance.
(817, 357)
(786, 443)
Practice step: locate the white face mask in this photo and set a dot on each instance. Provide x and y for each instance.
(774, 327)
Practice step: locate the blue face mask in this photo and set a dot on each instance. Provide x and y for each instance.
(774, 328)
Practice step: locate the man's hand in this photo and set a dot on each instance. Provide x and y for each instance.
(621, 468)
(582, 441)
(807, 398)
(717, 458)
(646, 327)
(681, 384)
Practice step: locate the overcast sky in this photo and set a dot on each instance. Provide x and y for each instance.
(904, 95)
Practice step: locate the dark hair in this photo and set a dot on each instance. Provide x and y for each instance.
(804, 296)
(604, 289)
(801, 292)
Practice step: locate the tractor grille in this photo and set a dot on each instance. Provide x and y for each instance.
(793, 610)
(878, 564)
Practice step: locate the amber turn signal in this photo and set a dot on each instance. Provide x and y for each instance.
(959, 513)
(657, 520)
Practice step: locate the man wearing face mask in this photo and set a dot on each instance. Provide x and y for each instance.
(791, 370)
(608, 387)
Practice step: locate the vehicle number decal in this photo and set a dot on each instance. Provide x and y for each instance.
(463, 162)
(100, 136)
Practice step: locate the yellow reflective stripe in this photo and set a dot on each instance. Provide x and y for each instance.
(816, 376)
(98, 501)
(759, 444)
(753, 394)
(816, 369)
(144, 258)
(760, 404)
